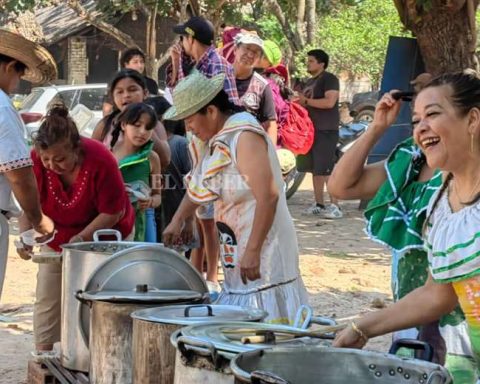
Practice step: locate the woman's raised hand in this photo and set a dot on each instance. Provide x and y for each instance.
(386, 112)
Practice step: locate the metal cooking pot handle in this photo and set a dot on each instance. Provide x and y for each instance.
(263, 377)
(106, 232)
(305, 312)
(414, 344)
(188, 345)
(320, 320)
(174, 337)
(209, 309)
(79, 296)
(434, 374)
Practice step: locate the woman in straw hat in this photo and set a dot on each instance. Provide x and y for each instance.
(19, 58)
(236, 167)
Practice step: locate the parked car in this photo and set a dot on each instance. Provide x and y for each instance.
(87, 96)
(17, 100)
(363, 104)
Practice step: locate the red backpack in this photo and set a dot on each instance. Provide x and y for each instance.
(297, 131)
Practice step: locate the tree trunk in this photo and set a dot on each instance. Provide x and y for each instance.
(151, 43)
(445, 42)
(300, 15)
(294, 38)
(446, 34)
(311, 21)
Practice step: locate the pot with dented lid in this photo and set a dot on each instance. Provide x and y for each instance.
(326, 365)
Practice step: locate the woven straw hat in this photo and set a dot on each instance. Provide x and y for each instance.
(192, 94)
(41, 67)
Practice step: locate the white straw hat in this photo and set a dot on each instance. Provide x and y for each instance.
(41, 67)
(192, 94)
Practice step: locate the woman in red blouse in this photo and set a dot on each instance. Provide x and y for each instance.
(81, 190)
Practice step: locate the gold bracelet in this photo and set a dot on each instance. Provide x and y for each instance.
(358, 331)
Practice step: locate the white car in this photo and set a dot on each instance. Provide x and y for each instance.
(84, 102)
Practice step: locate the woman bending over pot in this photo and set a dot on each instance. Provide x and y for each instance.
(82, 190)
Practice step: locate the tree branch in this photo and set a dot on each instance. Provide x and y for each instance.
(109, 29)
(402, 11)
(294, 38)
(311, 21)
(300, 14)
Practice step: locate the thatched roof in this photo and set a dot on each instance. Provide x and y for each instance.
(60, 21)
(24, 24)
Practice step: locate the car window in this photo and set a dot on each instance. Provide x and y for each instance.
(68, 98)
(92, 98)
(32, 98)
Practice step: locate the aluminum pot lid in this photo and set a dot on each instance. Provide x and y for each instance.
(164, 296)
(218, 334)
(192, 314)
(154, 265)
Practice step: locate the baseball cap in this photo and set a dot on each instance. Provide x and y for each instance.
(249, 38)
(197, 27)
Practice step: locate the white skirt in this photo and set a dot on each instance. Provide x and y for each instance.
(281, 301)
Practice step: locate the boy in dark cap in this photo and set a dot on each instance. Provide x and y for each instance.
(196, 41)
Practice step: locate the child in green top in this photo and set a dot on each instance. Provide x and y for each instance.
(140, 166)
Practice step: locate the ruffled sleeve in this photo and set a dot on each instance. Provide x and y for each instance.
(396, 214)
(453, 242)
(204, 182)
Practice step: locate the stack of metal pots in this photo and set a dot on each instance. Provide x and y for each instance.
(153, 355)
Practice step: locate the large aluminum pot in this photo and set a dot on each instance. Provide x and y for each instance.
(325, 365)
(111, 328)
(153, 355)
(79, 261)
(204, 351)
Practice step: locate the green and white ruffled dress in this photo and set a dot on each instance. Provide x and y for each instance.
(395, 218)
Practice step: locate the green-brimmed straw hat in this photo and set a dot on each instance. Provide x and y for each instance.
(192, 94)
(272, 52)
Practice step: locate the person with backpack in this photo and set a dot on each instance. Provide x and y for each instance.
(320, 98)
(253, 89)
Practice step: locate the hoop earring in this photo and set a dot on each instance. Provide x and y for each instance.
(472, 143)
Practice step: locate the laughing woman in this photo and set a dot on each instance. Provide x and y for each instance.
(235, 165)
(446, 126)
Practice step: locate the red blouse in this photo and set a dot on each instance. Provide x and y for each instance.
(97, 189)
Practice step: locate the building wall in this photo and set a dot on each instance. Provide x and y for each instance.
(77, 61)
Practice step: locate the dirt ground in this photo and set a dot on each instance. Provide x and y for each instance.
(345, 274)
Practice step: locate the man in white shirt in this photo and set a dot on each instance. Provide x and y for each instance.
(19, 58)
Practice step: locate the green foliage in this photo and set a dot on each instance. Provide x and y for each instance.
(20, 5)
(356, 37)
